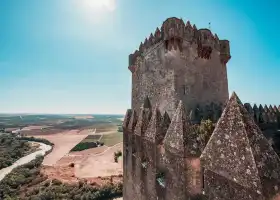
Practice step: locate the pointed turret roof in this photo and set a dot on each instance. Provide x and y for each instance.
(270, 108)
(248, 107)
(265, 108)
(127, 118)
(154, 130)
(165, 123)
(176, 135)
(238, 151)
(261, 109)
(275, 109)
(132, 121)
(147, 103)
(144, 118)
(255, 108)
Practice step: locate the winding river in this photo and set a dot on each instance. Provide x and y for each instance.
(26, 159)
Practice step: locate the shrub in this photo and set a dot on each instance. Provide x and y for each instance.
(11, 149)
(33, 139)
(117, 155)
(203, 132)
(22, 175)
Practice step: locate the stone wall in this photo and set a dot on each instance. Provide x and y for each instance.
(160, 155)
(154, 169)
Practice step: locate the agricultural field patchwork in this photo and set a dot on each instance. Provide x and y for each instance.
(112, 139)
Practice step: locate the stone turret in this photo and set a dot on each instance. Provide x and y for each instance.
(205, 43)
(178, 62)
(238, 161)
(173, 33)
(224, 51)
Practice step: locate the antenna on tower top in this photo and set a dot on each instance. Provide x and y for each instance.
(210, 26)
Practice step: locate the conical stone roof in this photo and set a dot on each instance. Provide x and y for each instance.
(176, 136)
(239, 152)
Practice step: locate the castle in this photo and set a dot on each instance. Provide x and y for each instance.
(179, 77)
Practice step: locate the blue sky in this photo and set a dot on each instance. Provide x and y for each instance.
(71, 56)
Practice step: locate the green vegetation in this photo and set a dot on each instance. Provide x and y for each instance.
(93, 141)
(60, 191)
(120, 129)
(33, 139)
(117, 155)
(20, 121)
(11, 149)
(26, 183)
(27, 175)
(92, 138)
(86, 145)
(112, 139)
(204, 131)
(60, 122)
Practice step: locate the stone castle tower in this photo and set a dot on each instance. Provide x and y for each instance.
(182, 62)
(179, 77)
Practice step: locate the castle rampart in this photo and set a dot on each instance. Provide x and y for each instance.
(162, 159)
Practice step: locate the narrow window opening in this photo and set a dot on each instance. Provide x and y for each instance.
(126, 144)
(166, 44)
(202, 178)
(133, 151)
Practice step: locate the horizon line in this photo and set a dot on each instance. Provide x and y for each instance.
(14, 113)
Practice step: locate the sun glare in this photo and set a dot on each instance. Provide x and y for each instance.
(99, 5)
(96, 11)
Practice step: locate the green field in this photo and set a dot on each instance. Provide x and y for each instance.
(61, 122)
(91, 138)
(112, 139)
(92, 141)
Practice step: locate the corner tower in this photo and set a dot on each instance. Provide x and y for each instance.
(180, 62)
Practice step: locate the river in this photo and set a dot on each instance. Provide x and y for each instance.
(26, 159)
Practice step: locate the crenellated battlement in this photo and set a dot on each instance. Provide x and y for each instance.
(173, 32)
(152, 125)
(161, 153)
(264, 115)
